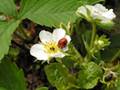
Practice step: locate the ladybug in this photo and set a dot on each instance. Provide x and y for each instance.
(62, 43)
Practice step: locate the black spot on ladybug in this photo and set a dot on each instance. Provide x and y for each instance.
(62, 43)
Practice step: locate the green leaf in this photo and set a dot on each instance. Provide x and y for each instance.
(106, 26)
(1, 88)
(85, 2)
(73, 57)
(42, 88)
(11, 78)
(115, 41)
(88, 76)
(108, 54)
(118, 84)
(8, 7)
(114, 47)
(59, 76)
(49, 12)
(6, 30)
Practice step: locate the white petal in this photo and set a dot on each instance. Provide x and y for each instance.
(109, 15)
(45, 36)
(105, 21)
(68, 39)
(37, 51)
(65, 49)
(102, 13)
(58, 34)
(59, 54)
(100, 8)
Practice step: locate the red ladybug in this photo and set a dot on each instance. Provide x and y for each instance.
(62, 43)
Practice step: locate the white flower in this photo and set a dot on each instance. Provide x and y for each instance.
(103, 14)
(51, 45)
(96, 12)
(85, 12)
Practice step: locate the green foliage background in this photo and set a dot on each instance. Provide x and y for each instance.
(49, 13)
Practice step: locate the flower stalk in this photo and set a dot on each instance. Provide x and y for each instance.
(77, 53)
(93, 35)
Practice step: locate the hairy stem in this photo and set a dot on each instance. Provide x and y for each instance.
(116, 55)
(93, 35)
(77, 53)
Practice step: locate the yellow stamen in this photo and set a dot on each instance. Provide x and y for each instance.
(51, 47)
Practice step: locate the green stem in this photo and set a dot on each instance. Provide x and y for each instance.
(77, 53)
(115, 56)
(93, 35)
(88, 57)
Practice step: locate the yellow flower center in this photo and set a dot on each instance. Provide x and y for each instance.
(51, 47)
